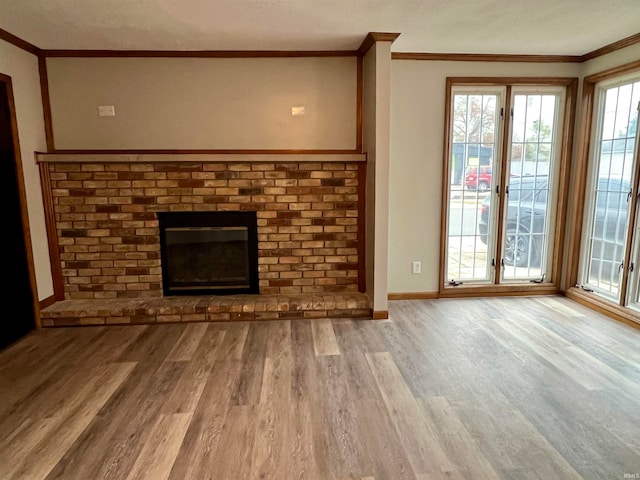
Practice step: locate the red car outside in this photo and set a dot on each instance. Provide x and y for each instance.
(478, 178)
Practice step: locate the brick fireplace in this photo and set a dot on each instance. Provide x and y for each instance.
(107, 230)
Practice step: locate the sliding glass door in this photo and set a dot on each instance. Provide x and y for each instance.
(502, 183)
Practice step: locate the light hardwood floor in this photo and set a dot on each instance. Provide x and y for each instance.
(513, 388)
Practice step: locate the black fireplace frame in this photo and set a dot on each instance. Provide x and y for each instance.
(246, 219)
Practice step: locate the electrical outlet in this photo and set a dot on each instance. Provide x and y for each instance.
(416, 267)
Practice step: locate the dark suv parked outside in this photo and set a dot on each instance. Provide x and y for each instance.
(526, 212)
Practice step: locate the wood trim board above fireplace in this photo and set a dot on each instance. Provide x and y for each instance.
(198, 156)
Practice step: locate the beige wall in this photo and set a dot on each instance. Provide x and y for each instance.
(204, 103)
(22, 67)
(417, 133)
(150, 95)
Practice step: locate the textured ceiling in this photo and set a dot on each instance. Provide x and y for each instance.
(562, 27)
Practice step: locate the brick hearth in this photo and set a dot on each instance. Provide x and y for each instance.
(204, 309)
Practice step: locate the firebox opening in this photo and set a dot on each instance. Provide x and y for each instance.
(209, 253)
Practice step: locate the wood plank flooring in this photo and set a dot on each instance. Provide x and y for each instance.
(510, 388)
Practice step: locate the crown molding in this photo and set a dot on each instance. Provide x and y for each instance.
(486, 57)
(612, 47)
(198, 53)
(20, 43)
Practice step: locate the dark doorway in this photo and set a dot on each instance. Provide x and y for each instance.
(17, 289)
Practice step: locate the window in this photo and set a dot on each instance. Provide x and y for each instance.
(610, 251)
(503, 172)
(475, 143)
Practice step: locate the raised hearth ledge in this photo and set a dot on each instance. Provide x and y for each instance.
(198, 157)
(221, 308)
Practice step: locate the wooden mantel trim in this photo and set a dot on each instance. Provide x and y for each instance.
(95, 157)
